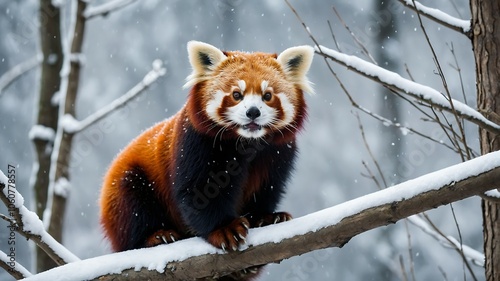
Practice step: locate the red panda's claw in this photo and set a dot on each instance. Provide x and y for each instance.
(231, 236)
(162, 237)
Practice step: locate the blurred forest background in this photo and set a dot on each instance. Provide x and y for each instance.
(120, 47)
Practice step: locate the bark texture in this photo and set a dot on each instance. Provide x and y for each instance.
(48, 109)
(486, 45)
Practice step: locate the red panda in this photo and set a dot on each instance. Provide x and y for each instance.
(218, 166)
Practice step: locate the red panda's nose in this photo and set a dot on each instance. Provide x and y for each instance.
(253, 112)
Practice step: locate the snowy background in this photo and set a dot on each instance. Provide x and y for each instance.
(119, 50)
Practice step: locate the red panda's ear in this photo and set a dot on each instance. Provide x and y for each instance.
(296, 62)
(203, 58)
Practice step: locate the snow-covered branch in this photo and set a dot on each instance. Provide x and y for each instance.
(415, 90)
(460, 25)
(106, 8)
(333, 227)
(13, 267)
(28, 224)
(448, 241)
(72, 126)
(15, 72)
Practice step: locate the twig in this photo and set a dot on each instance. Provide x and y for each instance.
(371, 175)
(73, 126)
(445, 84)
(17, 71)
(382, 119)
(410, 251)
(459, 70)
(403, 270)
(364, 50)
(367, 146)
(106, 8)
(447, 241)
(333, 36)
(440, 17)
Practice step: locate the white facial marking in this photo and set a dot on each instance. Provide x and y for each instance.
(238, 114)
(263, 85)
(242, 85)
(288, 109)
(214, 104)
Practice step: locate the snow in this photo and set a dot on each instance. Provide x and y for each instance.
(415, 89)
(449, 241)
(158, 257)
(70, 124)
(493, 193)
(32, 224)
(62, 187)
(155, 258)
(441, 16)
(18, 267)
(41, 132)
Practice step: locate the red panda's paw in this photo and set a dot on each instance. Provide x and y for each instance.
(162, 237)
(229, 237)
(274, 218)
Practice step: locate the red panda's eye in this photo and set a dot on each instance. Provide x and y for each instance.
(267, 96)
(237, 95)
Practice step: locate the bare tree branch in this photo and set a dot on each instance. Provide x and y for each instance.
(459, 25)
(332, 227)
(106, 8)
(17, 71)
(73, 126)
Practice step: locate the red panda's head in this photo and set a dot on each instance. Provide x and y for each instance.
(249, 95)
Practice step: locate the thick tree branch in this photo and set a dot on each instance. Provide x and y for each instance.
(333, 227)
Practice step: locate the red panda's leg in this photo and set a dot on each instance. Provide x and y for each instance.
(229, 237)
(162, 236)
(261, 209)
(139, 212)
(207, 186)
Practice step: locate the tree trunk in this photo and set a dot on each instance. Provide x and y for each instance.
(58, 208)
(50, 81)
(486, 45)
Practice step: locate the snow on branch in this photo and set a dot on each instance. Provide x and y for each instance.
(332, 227)
(28, 224)
(418, 91)
(448, 241)
(13, 267)
(15, 72)
(72, 126)
(460, 25)
(106, 8)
